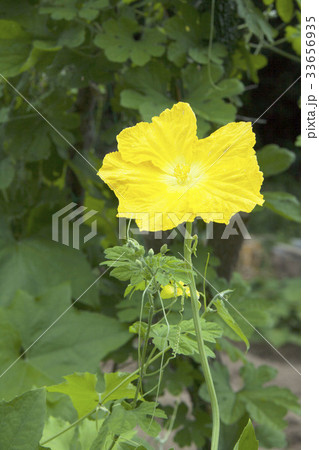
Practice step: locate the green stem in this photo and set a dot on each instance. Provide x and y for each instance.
(74, 424)
(150, 356)
(208, 309)
(204, 282)
(115, 439)
(200, 341)
(279, 51)
(142, 365)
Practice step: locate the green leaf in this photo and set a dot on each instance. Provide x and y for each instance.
(117, 39)
(256, 377)
(169, 268)
(264, 411)
(62, 9)
(266, 405)
(145, 414)
(206, 100)
(81, 388)
(126, 265)
(15, 47)
(88, 13)
(269, 437)
(65, 348)
(200, 54)
(284, 204)
(28, 139)
(182, 337)
(123, 39)
(181, 376)
(273, 159)
(243, 60)
(106, 436)
(231, 409)
(293, 35)
(36, 264)
(146, 90)
(255, 19)
(120, 383)
(22, 421)
(298, 141)
(197, 430)
(125, 262)
(246, 311)
(6, 173)
(186, 30)
(55, 425)
(123, 420)
(88, 432)
(4, 114)
(247, 440)
(229, 87)
(72, 37)
(285, 9)
(223, 312)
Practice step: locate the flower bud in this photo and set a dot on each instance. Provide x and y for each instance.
(163, 249)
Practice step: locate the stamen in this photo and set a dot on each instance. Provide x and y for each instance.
(181, 173)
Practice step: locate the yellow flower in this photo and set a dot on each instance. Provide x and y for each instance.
(171, 290)
(164, 175)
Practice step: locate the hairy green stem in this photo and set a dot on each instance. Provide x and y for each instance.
(200, 341)
(204, 282)
(142, 364)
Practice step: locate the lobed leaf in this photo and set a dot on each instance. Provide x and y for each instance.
(66, 346)
(22, 420)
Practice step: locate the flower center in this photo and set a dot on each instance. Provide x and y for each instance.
(181, 173)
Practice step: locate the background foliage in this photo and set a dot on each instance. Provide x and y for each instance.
(91, 68)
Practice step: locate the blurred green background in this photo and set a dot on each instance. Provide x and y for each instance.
(91, 68)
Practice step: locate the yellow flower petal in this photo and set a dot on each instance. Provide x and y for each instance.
(163, 175)
(177, 289)
(144, 194)
(169, 291)
(125, 177)
(169, 138)
(231, 179)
